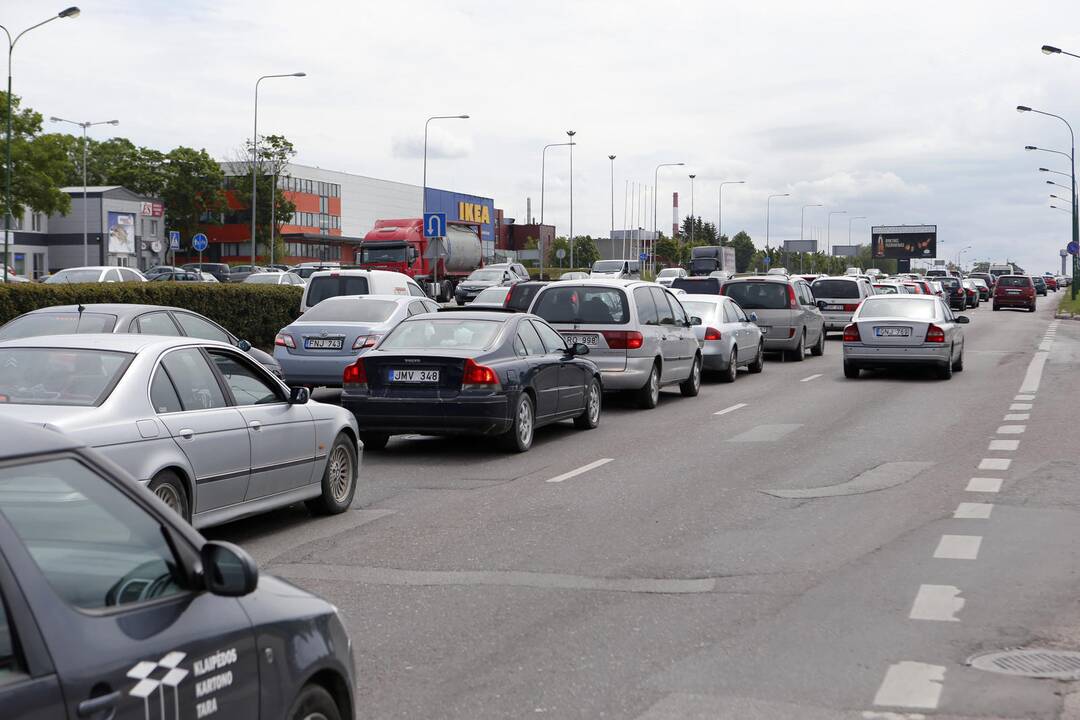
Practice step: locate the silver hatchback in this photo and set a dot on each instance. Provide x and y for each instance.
(637, 332)
(787, 312)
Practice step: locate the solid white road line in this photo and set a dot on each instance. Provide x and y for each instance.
(1013, 417)
(937, 602)
(981, 484)
(580, 470)
(1020, 406)
(958, 547)
(812, 377)
(1033, 376)
(1007, 445)
(1024, 398)
(995, 464)
(973, 511)
(733, 408)
(1011, 429)
(911, 685)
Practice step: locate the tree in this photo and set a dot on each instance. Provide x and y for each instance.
(668, 252)
(39, 164)
(559, 243)
(585, 251)
(744, 251)
(703, 233)
(275, 151)
(192, 190)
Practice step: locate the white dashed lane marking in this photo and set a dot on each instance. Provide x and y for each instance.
(1011, 429)
(911, 685)
(958, 547)
(812, 377)
(973, 511)
(982, 484)
(1014, 417)
(1024, 398)
(580, 470)
(937, 602)
(1033, 376)
(1007, 445)
(1020, 406)
(995, 464)
(733, 408)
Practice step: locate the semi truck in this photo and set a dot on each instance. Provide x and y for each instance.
(706, 259)
(400, 245)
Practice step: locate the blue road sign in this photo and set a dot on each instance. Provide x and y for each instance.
(174, 239)
(643, 257)
(766, 260)
(1073, 248)
(434, 224)
(198, 242)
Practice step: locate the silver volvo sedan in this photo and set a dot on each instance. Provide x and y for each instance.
(213, 434)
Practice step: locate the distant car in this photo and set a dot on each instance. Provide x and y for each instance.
(239, 272)
(278, 266)
(667, 275)
(777, 271)
(972, 291)
(839, 298)
(306, 270)
(1014, 291)
(729, 339)
(314, 349)
(219, 270)
(916, 288)
(209, 431)
(907, 330)
(574, 275)
(890, 288)
(274, 278)
(1051, 283)
(481, 279)
(491, 297)
(787, 312)
(616, 269)
(936, 288)
(158, 270)
(472, 372)
(988, 279)
(184, 276)
(937, 273)
(698, 285)
(1040, 284)
(955, 292)
(89, 553)
(517, 269)
(522, 294)
(95, 274)
(982, 287)
(324, 284)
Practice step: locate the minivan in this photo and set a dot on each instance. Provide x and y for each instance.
(1014, 291)
(787, 312)
(332, 283)
(839, 298)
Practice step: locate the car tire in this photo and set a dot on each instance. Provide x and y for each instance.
(799, 353)
(519, 437)
(338, 480)
(819, 347)
(997, 307)
(314, 703)
(169, 488)
(374, 441)
(732, 370)
(758, 363)
(958, 366)
(851, 370)
(1032, 308)
(590, 416)
(691, 386)
(649, 395)
(945, 370)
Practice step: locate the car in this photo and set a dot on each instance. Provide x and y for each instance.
(904, 331)
(729, 338)
(839, 297)
(937, 273)
(128, 318)
(777, 271)
(1040, 284)
(324, 284)
(982, 287)
(95, 274)
(1051, 283)
(207, 429)
(183, 276)
(667, 275)
(936, 288)
(221, 271)
(574, 275)
(315, 348)
(495, 296)
(616, 269)
(240, 272)
(972, 291)
(788, 314)
(517, 269)
(177, 621)
(279, 267)
(522, 294)
(1014, 291)
(887, 287)
(481, 279)
(491, 373)
(955, 292)
(698, 285)
(637, 333)
(306, 270)
(916, 287)
(274, 278)
(987, 279)
(159, 269)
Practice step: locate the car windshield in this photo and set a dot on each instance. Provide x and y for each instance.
(381, 253)
(328, 286)
(608, 266)
(75, 276)
(59, 376)
(57, 323)
(758, 295)
(351, 309)
(908, 308)
(486, 276)
(583, 304)
(1014, 281)
(439, 333)
(886, 289)
(668, 272)
(841, 289)
(264, 279)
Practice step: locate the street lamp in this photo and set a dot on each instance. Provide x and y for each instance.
(612, 159)
(720, 208)
(768, 210)
(255, 157)
(423, 194)
(86, 213)
(692, 176)
(70, 12)
(828, 231)
(1060, 208)
(543, 163)
(851, 220)
(656, 187)
(1051, 50)
(1051, 182)
(802, 219)
(570, 134)
(958, 254)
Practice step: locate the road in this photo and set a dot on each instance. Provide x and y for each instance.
(795, 545)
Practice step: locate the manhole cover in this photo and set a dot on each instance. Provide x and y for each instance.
(1053, 664)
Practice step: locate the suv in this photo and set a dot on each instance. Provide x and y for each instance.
(937, 272)
(331, 283)
(1040, 284)
(1014, 291)
(839, 298)
(637, 333)
(522, 294)
(219, 270)
(787, 312)
(955, 293)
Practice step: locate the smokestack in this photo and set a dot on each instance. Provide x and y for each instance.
(674, 214)
(528, 211)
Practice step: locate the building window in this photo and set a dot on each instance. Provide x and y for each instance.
(153, 228)
(35, 221)
(324, 204)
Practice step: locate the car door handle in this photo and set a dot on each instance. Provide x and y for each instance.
(100, 704)
(255, 425)
(186, 433)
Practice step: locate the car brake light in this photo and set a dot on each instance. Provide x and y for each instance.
(355, 374)
(479, 375)
(365, 341)
(792, 302)
(712, 333)
(851, 307)
(285, 340)
(851, 333)
(623, 339)
(935, 334)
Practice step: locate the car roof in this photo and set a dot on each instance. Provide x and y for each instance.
(606, 282)
(123, 342)
(499, 315)
(918, 298)
(89, 267)
(848, 278)
(22, 438)
(761, 278)
(118, 309)
(357, 272)
(700, 297)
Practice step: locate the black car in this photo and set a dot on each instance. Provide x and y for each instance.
(219, 270)
(113, 607)
(495, 373)
(954, 291)
(1040, 284)
(698, 285)
(482, 279)
(522, 294)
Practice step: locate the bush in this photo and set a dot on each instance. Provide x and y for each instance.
(251, 312)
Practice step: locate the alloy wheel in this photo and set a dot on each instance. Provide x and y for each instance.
(525, 423)
(594, 404)
(167, 494)
(340, 473)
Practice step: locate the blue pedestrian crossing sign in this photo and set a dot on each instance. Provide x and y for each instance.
(199, 242)
(174, 239)
(434, 225)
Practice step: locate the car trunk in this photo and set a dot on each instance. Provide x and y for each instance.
(893, 332)
(327, 339)
(599, 339)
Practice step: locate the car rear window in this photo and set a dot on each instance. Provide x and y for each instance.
(59, 376)
(439, 334)
(583, 304)
(330, 286)
(495, 294)
(698, 286)
(350, 309)
(882, 307)
(521, 296)
(704, 310)
(840, 289)
(1014, 281)
(949, 282)
(758, 295)
(66, 323)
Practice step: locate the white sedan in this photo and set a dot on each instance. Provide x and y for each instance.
(904, 330)
(668, 275)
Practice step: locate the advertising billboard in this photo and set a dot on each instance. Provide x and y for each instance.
(903, 242)
(122, 233)
(845, 250)
(800, 246)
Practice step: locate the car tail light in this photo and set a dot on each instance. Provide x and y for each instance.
(934, 334)
(851, 333)
(285, 340)
(712, 333)
(851, 307)
(479, 376)
(791, 332)
(365, 341)
(792, 302)
(623, 339)
(355, 375)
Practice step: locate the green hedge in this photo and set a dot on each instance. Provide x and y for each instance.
(251, 312)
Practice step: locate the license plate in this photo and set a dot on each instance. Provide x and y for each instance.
(323, 343)
(892, 331)
(834, 307)
(1012, 292)
(590, 339)
(414, 376)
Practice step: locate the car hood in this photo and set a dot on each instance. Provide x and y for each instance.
(477, 284)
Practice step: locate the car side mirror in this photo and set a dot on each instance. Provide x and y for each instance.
(753, 317)
(821, 304)
(963, 319)
(227, 570)
(299, 395)
(579, 349)
(695, 320)
(243, 345)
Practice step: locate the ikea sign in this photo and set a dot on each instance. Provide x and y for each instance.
(474, 213)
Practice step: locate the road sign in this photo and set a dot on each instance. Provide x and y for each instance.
(435, 249)
(174, 239)
(643, 257)
(1073, 248)
(560, 253)
(199, 242)
(767, 260)
(434, 225)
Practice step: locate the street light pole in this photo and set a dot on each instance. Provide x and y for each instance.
(612, 159)
(70, 12)
(768, 212)
(255, 157)
(423, 195)
(692, 223)
(84, 126)
(655, 193)
(802, 219)
(828, 230)
(571, 134)
(720, 208)
(851, 220)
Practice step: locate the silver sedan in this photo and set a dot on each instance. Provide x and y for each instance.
(729, 339)
(904, 330)
(213, 434)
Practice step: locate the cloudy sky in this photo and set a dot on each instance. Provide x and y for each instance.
(902, 112)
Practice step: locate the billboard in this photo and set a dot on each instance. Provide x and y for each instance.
(903, 242)
(122, 233)
(845, 250)
(800, 246)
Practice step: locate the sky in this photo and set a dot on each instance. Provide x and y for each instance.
(900, 112)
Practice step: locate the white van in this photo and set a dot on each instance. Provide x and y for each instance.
(616, 269)
(332, 283)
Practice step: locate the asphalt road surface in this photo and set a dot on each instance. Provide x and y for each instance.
(795, 545)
